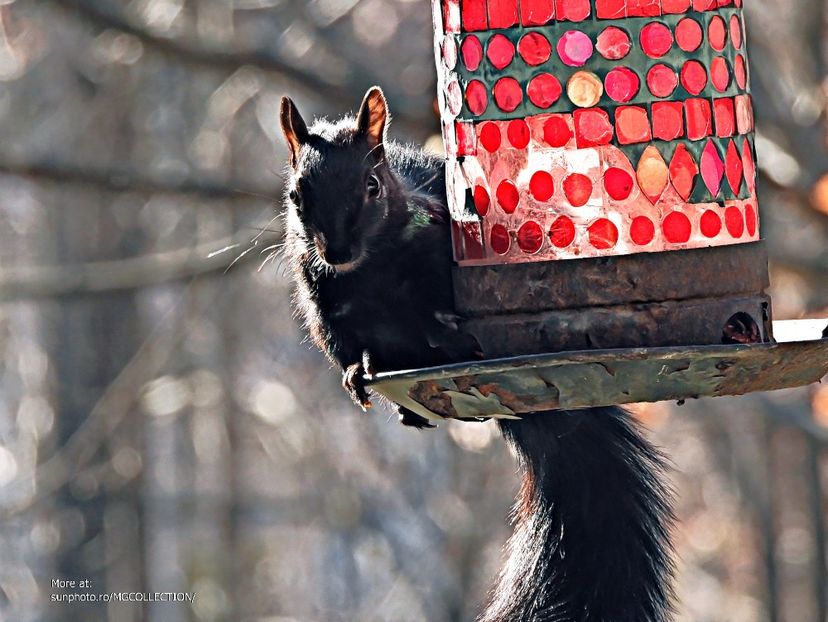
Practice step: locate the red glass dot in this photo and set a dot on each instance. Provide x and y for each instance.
(530, 237)
(642, 230)
(472, 52)
(481, 200)
(613, 43)
(734, 222)
(710, 224)
(677, 228)
(490, 137)
(621, 84)
(508, 94)
(556, 132)
(578, 189)
(750, 220)
(518, 133)
(740, 71)
(619, 183)
(542, 186)
(656, 39)
(719, 74)
(693, 77)
(689, 34)
(662, 80)
(544, 90)
(500, 239)
(508, 196)
(603, 234)
(562, 232)
(534, 49)
(477, 99)
(717, 33)
(500, 51)
(736, 32)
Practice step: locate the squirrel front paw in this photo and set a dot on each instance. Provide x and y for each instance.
(353, 381)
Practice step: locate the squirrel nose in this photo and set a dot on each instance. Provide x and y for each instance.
(338, 255)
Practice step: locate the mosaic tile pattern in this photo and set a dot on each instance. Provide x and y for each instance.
(581, 128)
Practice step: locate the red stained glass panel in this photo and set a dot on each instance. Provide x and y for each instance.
(632, 125)
(466, 138)
(720, 74)
(642, 230)
(643, 8)
(717, 33)
(503, 13)
(472, 52)
(733, 168)
(618, 183)
(542, 186)
(518, 133)
(578, 189)
(500, 51)
(530, 237)
(556, 131)
(613, 43)
(508, 196)
(534, 49)
(477, 99)
(536, 12)
(736, 31)
(710, 224)
(675, 6)
(668, 120)
(592, 127)
(656, 39)
(544, 90)
(562, 232)
(683, 172)
(603, 234)
(740, 71)
(500, 239)
(621, 84)
(677, 228)
(481, 200)
(750, 220)
(473, 14)
(725, 117)
(699, 118)
(662, 80)
(611, 9)
(712, 169)
(572, 10)
(689, 34)
(507, 94)
(734, 222)
(490, 136)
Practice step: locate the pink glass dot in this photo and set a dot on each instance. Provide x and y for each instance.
(500, 51)
(662, 80)
(472, 52)
(621, 84)
(613, 43)
(575, 48)
(477, 99)
(656, 39)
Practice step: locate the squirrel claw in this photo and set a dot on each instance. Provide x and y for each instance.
(353, 382)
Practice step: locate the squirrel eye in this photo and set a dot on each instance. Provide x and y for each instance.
(373, 186)
(293, 196)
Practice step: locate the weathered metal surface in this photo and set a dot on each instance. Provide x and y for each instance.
(513, 386)
(672, 323)
(645, 277)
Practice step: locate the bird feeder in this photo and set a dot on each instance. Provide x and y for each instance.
(601, 179)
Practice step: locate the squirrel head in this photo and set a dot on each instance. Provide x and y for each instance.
(340, 190)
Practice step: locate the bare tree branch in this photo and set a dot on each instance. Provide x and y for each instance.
(124, 274)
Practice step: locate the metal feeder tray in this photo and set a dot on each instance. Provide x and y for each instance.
(509, 387)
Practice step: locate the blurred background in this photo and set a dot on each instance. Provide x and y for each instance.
(163, 427)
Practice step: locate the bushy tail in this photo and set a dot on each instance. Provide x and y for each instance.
(592, 522)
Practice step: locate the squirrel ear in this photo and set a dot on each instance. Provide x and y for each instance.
(373, 117)
(294, 128)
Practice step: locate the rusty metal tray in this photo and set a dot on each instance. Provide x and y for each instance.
(505, 388)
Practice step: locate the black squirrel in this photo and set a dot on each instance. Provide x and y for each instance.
(368, 239)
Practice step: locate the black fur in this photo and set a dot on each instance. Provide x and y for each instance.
(591, 541)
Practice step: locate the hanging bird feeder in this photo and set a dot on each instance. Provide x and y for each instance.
(602, 183)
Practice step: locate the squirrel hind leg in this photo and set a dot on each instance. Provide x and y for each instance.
(411, 419)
